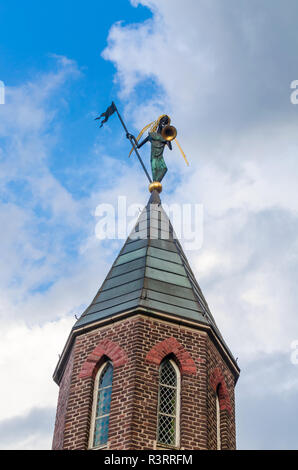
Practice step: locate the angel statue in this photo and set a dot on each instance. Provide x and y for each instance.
(159, 135)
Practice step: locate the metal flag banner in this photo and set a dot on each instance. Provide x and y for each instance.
(110, 110)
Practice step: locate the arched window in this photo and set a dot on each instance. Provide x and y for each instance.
(218, 437)
(168, 404)
(101, 406)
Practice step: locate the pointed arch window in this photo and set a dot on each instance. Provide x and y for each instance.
(218, 424)
(168, 404)
(101, 406)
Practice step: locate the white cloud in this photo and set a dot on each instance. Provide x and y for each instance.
(28, 356)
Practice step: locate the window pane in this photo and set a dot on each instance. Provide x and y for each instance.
(101, 431)
(102, 406)
(167, 410)
(166, 430)
(167, 400)
(106, 377)
(168, 374)
(104, 401)
(218, 422)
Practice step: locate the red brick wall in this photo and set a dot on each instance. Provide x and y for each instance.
(62, 406)
(193, 418)
(81, 391)
(222, 380)
(139, 344)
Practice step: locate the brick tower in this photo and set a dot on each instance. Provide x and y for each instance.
(145, 366)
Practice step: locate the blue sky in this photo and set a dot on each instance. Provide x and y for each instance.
(31, 35)
(222, 71)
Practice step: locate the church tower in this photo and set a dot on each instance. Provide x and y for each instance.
(145, 366)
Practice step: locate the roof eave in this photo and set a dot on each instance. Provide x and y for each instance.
(59, 370)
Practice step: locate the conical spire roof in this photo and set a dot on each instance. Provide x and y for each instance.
(150, 273)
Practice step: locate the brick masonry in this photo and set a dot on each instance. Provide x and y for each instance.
(221, 381)
(62, 405)
(137, 346)
(105, 348)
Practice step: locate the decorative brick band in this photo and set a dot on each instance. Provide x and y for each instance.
(105, 348)
(218, 383)
(172, 346)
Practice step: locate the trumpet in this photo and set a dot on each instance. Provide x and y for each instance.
(169, 133)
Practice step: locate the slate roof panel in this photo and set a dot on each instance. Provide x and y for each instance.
(151, 273)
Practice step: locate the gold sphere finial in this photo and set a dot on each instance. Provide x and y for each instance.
(156, 185)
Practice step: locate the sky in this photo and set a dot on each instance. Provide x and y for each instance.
(223, 72)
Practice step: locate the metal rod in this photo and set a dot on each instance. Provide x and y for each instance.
(133, 144)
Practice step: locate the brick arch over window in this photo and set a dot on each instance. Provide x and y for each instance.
(105, 348)
(172, 346)
(218, 383)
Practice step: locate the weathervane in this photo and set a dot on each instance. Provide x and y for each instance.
(160, 134)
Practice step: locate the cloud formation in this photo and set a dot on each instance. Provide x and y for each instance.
(32, 431)
(51, 261)
(223, 73)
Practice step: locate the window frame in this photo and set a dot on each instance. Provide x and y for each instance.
(94, 406)
(178, 406)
